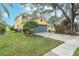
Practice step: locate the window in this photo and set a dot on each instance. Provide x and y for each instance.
(23, 17)
(41, 20)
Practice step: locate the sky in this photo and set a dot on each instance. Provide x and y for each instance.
(16, 10)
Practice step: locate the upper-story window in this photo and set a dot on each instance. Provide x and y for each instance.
(41, 20)
(23, 17)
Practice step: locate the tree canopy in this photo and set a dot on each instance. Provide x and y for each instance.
(69, 10)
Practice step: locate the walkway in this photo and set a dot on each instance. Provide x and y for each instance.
(67, 48)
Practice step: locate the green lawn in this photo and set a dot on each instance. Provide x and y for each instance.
(19, 44)
(76, 53)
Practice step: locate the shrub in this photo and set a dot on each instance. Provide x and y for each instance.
(2, 28)
(3, 25)
(58, 28)
(29, 27)
(11, 28)
(62, 27)
(49, 30)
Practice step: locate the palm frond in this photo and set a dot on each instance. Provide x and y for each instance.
(4, 7)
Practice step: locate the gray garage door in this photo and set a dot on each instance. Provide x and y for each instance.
(41, 28)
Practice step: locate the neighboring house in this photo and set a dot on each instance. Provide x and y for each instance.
(24, 17)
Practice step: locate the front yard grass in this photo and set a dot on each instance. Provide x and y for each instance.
(76, 53)
(18, 44)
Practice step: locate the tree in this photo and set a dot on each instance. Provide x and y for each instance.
(70, 11)
(70, 15)
(55, 10)
(52, 20)
(3, 24)
(41, 10)
(29, 27)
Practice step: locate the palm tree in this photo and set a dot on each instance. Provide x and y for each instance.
(5, 8)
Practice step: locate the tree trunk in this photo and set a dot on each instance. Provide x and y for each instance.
(55, 16)
(72, 18)
(71, 28)
(72, 24)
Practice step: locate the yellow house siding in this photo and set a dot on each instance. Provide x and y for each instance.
(41, 21)
(7, 28)
(19, 21)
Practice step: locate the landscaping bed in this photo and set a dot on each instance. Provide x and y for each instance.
(18, 44)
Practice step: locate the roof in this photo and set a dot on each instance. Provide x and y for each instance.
(33, 18)
(22, 14)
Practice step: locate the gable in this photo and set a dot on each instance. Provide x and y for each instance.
(41, 21)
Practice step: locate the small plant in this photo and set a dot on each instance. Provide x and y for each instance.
(49, 30)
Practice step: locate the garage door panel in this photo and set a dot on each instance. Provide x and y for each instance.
(41, 29)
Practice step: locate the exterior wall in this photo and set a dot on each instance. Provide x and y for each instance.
(7, 28)
(18, 24)
(41, 21)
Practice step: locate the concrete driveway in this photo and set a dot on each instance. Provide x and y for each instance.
(67, 48)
